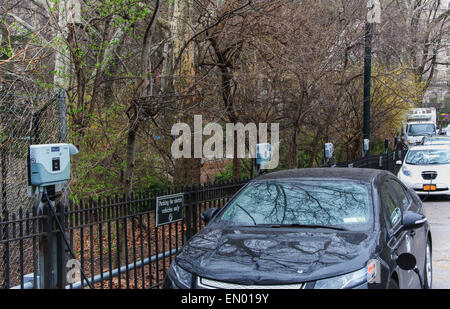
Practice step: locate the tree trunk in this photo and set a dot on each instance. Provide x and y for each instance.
(145, 91)
(187, 170)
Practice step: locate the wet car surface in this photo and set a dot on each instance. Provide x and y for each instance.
(319, 245)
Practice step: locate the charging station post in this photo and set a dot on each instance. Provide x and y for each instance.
(48, 172)
(366, 148)
(328, 152)
(264, 154)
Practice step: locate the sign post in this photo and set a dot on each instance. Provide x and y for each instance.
(169, 209)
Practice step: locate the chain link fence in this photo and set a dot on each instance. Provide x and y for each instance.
(24, 120)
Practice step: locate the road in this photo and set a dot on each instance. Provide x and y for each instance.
(437, 209)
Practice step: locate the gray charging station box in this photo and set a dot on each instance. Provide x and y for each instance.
(49, 164)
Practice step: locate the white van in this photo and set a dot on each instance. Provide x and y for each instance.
(420, 122)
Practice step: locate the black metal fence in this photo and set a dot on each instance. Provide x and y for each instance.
(385, 161)
(116, 240)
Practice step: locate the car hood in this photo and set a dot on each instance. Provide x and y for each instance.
(275, 256)
(442, 170)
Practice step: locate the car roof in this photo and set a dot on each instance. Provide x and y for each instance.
(360, 174)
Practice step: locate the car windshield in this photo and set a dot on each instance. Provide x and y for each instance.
(421, 129)
(428, 157)
(325, 203)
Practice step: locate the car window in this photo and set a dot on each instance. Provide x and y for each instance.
(403, 200)
(391, 206)
(341, 203)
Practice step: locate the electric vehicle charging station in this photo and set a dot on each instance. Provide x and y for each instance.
(49, 165)
(264, 153)
(366, 147)
(328, 153)
(48, 172)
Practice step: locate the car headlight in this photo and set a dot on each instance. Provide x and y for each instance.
(182, 277)
(406, 171)
(366, 275)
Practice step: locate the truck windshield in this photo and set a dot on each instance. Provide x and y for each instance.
(421, 129)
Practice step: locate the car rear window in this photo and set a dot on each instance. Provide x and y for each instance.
(334, 203)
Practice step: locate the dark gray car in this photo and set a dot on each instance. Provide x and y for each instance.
(311, 228)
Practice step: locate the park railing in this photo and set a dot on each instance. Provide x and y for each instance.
(116, 240)
(386, 161)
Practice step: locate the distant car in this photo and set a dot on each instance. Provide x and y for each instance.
(426, 169)
(436, 140)
(310, 229)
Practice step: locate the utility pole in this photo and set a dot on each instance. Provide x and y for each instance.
(367, 81)
(373, 17)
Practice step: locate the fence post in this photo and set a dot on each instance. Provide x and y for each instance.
(388, 162)
(47, 249)
(62, 115)
(61, 250)
(52, 248)
(195, 206)
(188, 212)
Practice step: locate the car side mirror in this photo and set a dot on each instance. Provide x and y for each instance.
(208, 214)
(406, 261)
(412, 220)
(399, 162)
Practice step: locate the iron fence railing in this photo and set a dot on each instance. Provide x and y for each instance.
(115, 239)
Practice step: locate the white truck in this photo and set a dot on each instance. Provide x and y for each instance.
(420, 122)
